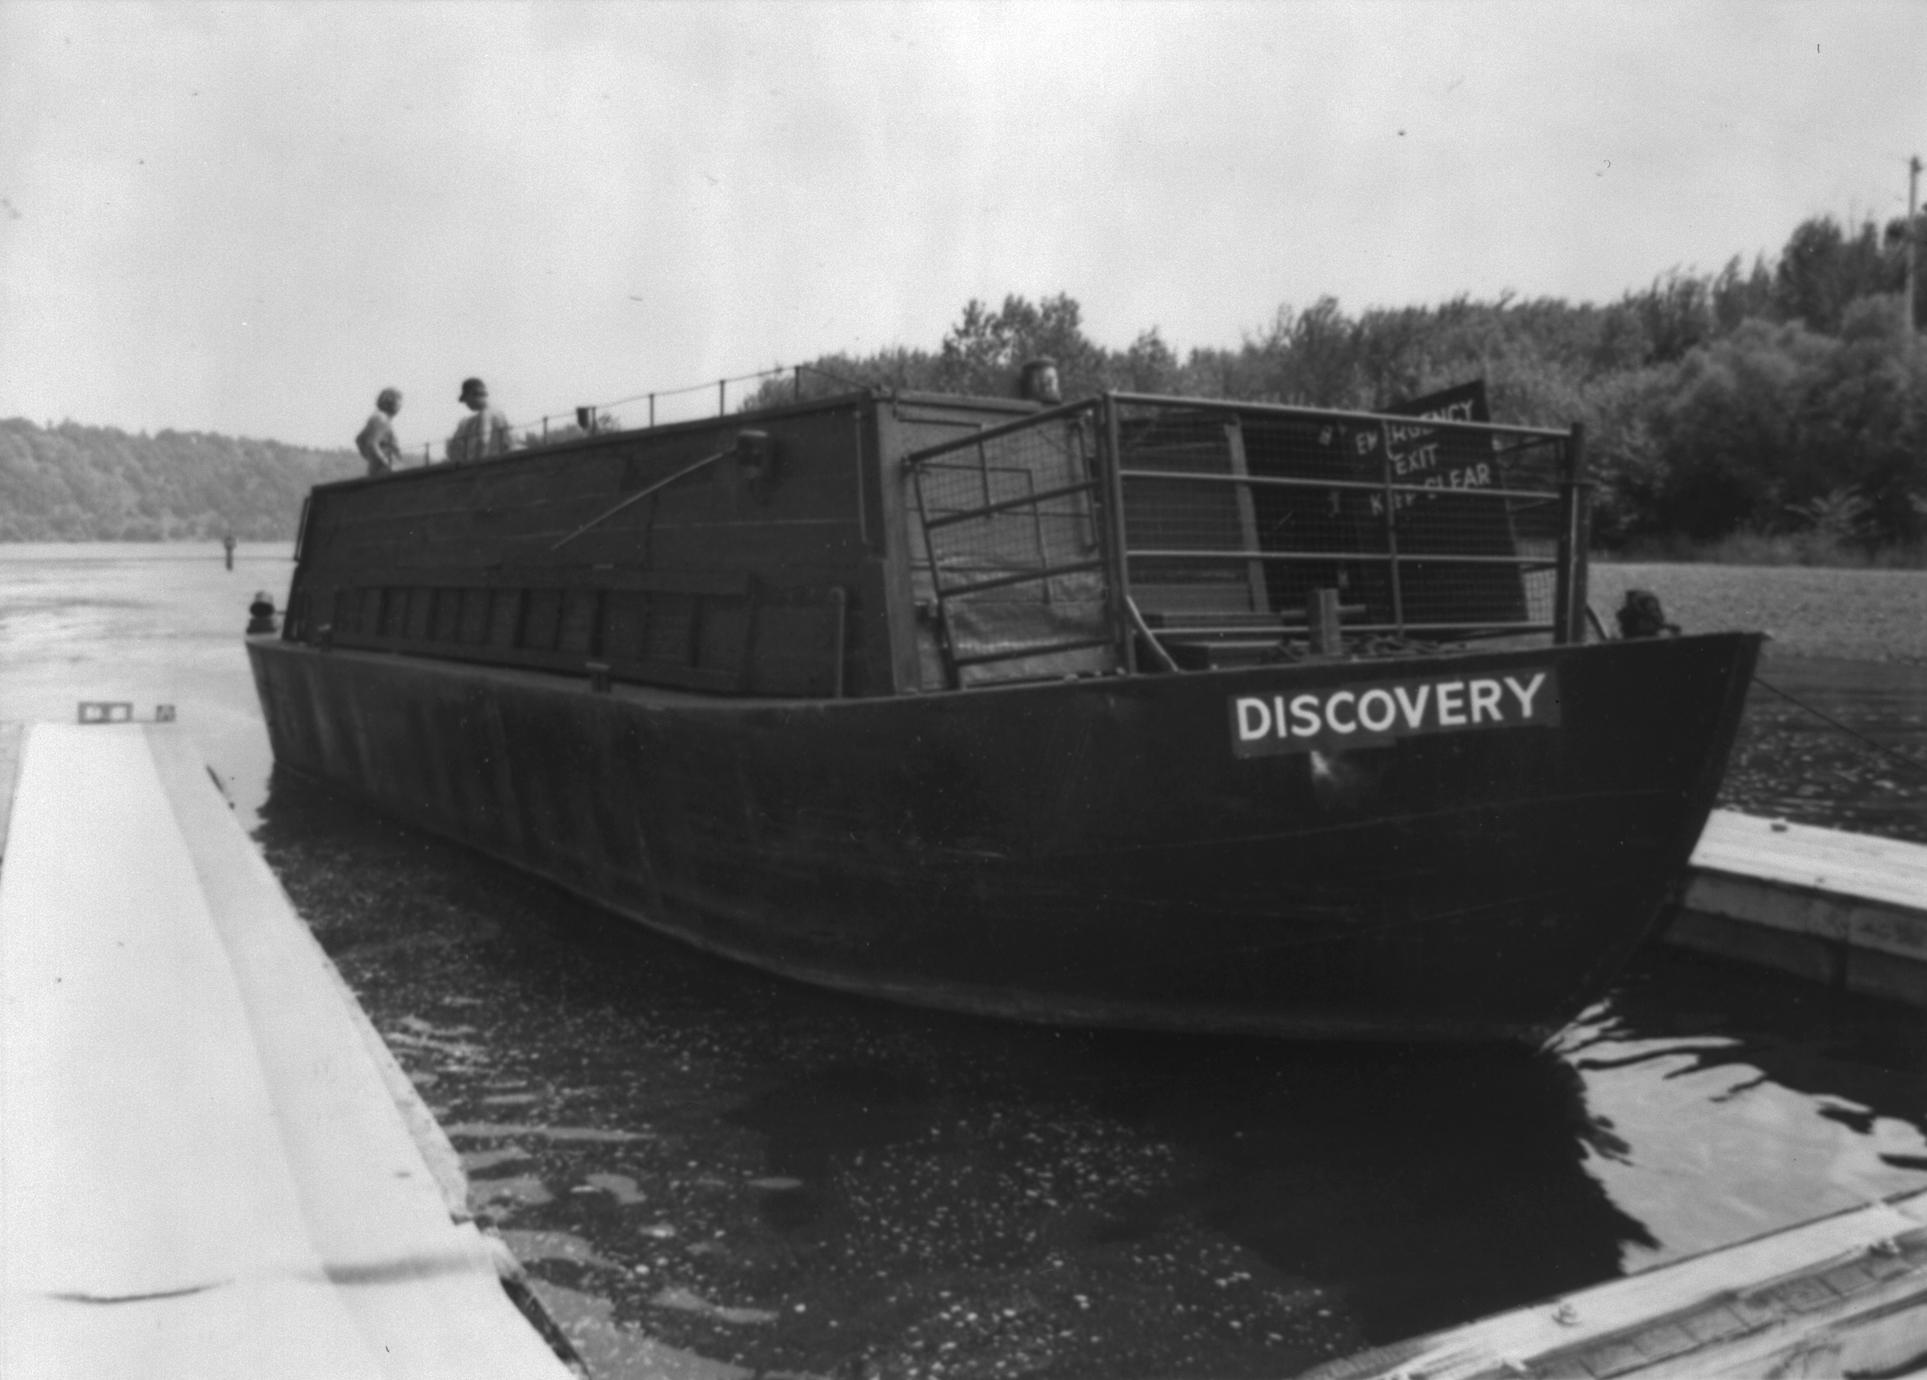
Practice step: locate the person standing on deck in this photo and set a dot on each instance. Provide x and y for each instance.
(481, 435)
(377, 442)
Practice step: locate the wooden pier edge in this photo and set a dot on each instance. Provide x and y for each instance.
(10, 734)
(214, 835)
(1842, 1296)
(198, 1126)
(1846, 910)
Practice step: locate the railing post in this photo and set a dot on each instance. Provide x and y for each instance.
(840, 616)
(1569, 593)
(1111, 480)
(1322, 622)
(953, 674)
(722, 397)
(1391, 530)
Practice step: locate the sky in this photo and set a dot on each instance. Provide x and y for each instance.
(249, 218)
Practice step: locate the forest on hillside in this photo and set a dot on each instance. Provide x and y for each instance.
(1779, 403)
(97, 483)
(1784, 401)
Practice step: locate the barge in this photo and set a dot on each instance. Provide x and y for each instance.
(1167, 713)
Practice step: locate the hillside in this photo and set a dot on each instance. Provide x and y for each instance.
(1781, 409)
(94, 483)
(1773, 413)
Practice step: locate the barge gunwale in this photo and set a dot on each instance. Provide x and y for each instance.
(830, 854)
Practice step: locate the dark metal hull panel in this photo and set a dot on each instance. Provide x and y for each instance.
(1088, 851)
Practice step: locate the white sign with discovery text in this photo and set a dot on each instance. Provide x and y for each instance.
(1347, 716)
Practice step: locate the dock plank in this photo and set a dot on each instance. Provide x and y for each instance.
(1843, 1295)
(205, 1172)
(1802, 855)
(9, 770)
(1847, 909)
(141, 1162)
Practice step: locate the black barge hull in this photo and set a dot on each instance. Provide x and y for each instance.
(1090, 851)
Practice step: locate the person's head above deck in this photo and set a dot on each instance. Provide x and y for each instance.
(475, 394)
(1038, 381)
(388, 400)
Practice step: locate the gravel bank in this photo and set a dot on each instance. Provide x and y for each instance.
(1859, 615)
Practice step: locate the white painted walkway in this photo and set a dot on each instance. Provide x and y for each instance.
(203, 1172)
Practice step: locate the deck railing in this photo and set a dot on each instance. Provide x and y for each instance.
(1202, 531)
(1011, 558)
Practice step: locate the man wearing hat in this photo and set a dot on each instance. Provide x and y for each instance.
(481, 435)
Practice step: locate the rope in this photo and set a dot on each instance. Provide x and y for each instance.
(769, 373)
(1157, 648)
(1904, 758)
(639, 495)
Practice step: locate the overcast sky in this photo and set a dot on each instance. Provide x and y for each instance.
(248, 218)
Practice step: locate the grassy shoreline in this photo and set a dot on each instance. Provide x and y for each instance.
(1811, 611)
(1857, 613)
(1809, 548)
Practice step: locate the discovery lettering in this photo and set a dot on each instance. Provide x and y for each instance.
(1324, 720)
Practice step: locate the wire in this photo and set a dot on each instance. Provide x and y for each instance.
(769, 373)
(1905, 758)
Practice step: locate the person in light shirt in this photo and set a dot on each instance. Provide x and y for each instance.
(377, 442)
(482, 434)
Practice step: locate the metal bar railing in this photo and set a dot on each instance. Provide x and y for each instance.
(992, 433)
(1118, 582)
(1372, 486)
(944, 649)
(1325, 414)
(1391, 526)
(1526, 533)
(971, 514)
(1569, 595)
(1030, 649)
(1021, 577)
(1219, 557)
(1275, 630)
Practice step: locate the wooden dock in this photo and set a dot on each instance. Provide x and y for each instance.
(1842, 1296)
(1844, 909)
(209, 1165)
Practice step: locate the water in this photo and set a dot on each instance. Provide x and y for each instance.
(147, 624)
(712, 1173)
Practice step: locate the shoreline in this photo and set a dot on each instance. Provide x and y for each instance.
(1872, 617)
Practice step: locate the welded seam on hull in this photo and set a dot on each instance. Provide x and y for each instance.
(1536, 802)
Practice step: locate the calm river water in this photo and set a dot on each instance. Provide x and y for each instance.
(714, 1174)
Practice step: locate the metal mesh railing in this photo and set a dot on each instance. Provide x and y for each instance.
(1068, 542)
(1007, 557)
(1234, 516)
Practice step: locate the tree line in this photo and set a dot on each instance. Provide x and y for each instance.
(96, 483)
(1783, 397)
(1786, 397)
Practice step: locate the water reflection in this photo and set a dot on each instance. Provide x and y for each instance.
(771, 1176)
(1746, 1101)
(1429, 1185)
